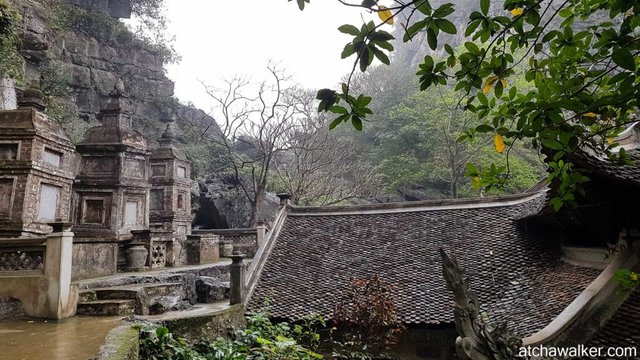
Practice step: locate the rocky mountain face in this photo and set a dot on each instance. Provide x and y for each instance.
(220, 203)
(79, 71)
(116, 8)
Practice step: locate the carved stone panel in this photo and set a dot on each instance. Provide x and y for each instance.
(21, 260)
(9, 151)
(181, 197)
(158, 170)
(157, 200)
(134, 168)
(6, 197)
(49, 199)
(181, 171)
(158, 255)
(131, 213)
(52, 157)
(94, 211)
(99, 166)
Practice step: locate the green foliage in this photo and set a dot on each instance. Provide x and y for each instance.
(627, 279)
(413, 141)
(159, 344)
(262, 339)
(583, 77)
(11, 63)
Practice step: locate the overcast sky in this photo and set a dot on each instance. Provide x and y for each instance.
(218, 39)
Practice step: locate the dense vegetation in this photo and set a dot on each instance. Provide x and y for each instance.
(581, 67)
(364, 326)
(11, 63)
(412, 137)
(261, 339)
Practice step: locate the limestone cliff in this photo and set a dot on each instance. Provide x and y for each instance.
(78, 71)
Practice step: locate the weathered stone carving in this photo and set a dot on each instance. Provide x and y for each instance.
(477, 340)
(158, 255)
(136, 256)
(170, 216)
(36, 169)
(21, 260)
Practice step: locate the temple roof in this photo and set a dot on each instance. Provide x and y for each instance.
(623, 328)
(518, 274)
(628, 173)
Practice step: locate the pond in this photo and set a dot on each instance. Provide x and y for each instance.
(77, 338)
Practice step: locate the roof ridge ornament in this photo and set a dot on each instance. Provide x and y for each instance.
(118, 110)
(118, 89)
(477, 339)
(171, 131)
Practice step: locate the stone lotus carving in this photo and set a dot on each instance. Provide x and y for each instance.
(477, 340)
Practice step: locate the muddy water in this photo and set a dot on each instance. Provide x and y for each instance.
(77, 338)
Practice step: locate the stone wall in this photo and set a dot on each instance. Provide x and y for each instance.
(92, 259)
(210, 326)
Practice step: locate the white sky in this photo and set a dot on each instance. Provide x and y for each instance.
(218, 39)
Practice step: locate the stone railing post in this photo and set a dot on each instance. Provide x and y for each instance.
(237, 275)
(261, 230)
(62, 298)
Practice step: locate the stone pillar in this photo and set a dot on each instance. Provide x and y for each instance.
(285, 199)
(62, 298)
(8, 99)
(261, 230)
(237, 270)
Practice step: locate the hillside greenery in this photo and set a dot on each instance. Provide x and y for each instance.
(11, 63)
(581, 60)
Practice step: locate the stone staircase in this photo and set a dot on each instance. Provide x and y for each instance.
(152, 294)
(138, 299)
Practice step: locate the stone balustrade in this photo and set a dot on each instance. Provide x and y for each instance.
(37, 271)
(245, 240)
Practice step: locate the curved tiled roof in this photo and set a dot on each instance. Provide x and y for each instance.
(622, 330)
(517, 275)
(629, 173)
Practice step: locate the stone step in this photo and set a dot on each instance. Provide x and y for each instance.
(129, 291)
(211, 290)
(143, 296)
(106, 308)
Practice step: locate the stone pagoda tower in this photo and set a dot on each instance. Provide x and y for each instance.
(36, 169)
(111, 193)
(170, 220)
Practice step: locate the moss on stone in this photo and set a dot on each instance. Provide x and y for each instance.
(122, 343)
(209, 326)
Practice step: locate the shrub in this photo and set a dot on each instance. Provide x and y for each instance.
(262, 339)
(366, 320)
(10, 59)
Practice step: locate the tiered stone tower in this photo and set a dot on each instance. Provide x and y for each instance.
(36, 169)
(170, 219)
(111, 194)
